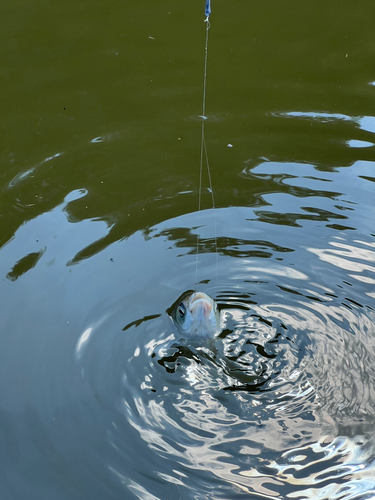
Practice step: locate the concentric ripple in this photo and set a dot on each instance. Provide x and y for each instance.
(280, 404)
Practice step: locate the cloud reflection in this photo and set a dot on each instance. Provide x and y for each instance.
(351, 258)
(366, 123)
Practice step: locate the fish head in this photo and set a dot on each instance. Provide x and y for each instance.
(196, 315)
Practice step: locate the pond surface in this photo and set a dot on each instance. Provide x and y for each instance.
(99, 176)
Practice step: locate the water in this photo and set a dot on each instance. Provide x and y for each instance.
(98, 179)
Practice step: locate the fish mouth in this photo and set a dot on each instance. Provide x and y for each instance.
(202, 302)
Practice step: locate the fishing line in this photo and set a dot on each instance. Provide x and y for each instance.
(204, 150)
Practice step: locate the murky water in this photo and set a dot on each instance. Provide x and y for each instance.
(100, 398)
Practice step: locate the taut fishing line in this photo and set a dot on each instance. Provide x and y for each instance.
(203, 152)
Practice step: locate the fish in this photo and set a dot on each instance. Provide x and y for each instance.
(196, 315)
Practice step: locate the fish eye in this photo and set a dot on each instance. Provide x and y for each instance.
(181, 310)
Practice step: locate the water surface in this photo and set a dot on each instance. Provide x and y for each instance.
(98, 213)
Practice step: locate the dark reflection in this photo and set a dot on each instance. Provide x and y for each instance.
(241, 364)
(340, 227)
(354, 302)
(145, 215)
(186, 238)
(290, 219)
(178, 354)
(182, 238)
(296, 292)
(367, 178)
(25, 264)
(98, 245)
(252, 367)
(278, 182)
(138, 322)
(232, 247)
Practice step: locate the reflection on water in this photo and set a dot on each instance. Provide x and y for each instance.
(363, 122)
(328, 467)
(289, 392)
(359, 144)
(279, 405)
(101, 397)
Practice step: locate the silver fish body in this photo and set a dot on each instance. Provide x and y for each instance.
(196, 315)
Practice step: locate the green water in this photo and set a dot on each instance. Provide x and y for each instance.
(99, 173)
